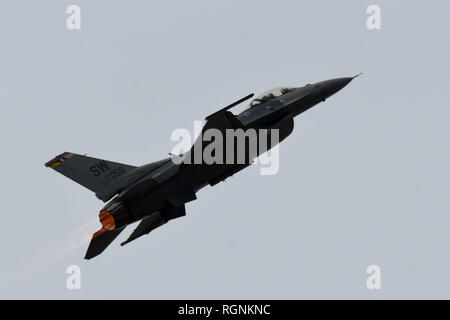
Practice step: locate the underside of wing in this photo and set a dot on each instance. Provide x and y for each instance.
(220, 120)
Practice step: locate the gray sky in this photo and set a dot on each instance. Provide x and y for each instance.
(363, 179)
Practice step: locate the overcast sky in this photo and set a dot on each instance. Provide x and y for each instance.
(363, 180)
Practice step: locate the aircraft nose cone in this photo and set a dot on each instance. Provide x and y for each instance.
(336, 85)
(329, 87)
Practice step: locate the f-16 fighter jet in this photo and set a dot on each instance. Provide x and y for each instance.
(157, 192)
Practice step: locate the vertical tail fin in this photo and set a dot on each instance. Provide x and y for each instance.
(92, 173)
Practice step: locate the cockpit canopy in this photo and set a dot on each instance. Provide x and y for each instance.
(269, 95)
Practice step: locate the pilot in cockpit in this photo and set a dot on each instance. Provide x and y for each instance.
(265, 98)
(270, 95)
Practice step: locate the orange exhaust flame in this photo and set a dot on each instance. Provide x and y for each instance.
(107, 221)
(57, 250)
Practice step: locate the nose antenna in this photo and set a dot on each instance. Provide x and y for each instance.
(357, 75)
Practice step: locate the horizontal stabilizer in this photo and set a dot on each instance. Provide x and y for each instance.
(146, 226)
(170, 213)
(100, 241)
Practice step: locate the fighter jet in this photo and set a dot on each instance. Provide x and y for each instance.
(157, 192)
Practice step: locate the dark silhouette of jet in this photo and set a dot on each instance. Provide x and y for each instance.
(157, 192)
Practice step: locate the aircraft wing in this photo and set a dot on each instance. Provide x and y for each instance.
(220, 120)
